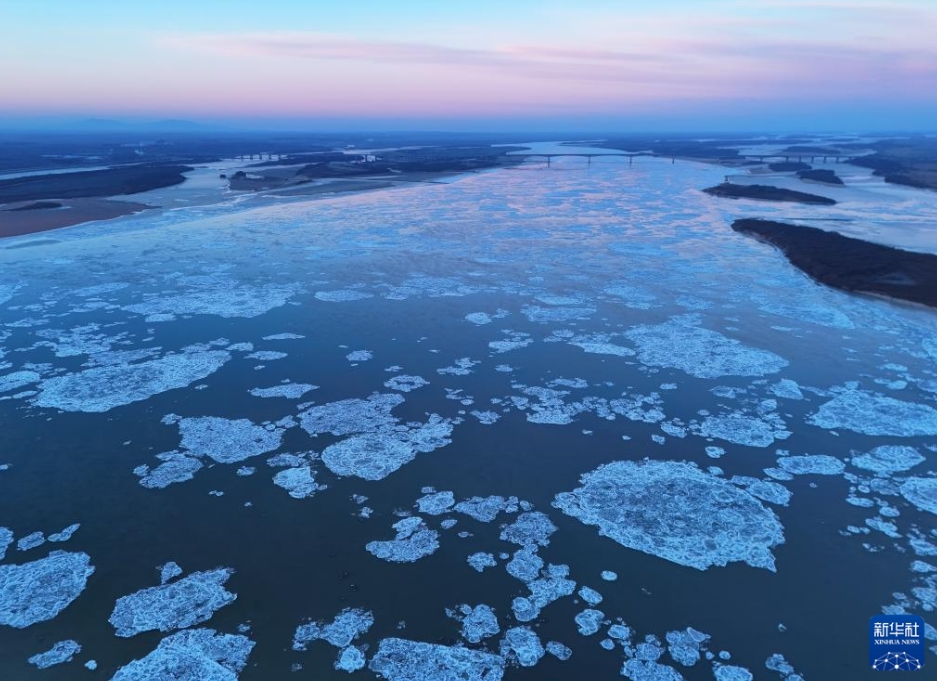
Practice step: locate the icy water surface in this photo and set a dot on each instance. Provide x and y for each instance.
(531, 424)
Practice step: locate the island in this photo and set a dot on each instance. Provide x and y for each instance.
(817, 175)
(850, 264)
(764, 192)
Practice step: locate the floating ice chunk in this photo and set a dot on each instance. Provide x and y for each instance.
(350, 659)
(267, 355)
(715, 452)
(609, 576)
(359, 356)
(872, 414)
(169, 571)
(61, 652)
(529, 529)
(193, 655)
(677, 512)
(525, 610)
(771, 492)
(283, 336)
(176, 467)
(522, 645)
(679, 344)
(619, 632)
(888, 459)
(347, 417)
(515, 341)
(348, 625)
(816, 464)
(922, 492)
(589, 621)
(684, 646)
(535, 313)
(405, 383)
(525, 565)
(479, 561)
(598, 344)
(414, 540)
(40, 590)
(436, 503)
(777, 663)
(299, 482)
(227, 440)
(65, 534)
(224, 299)
(787, 389)
(590, 595)
(239, 347)
(31, 541)
(486, 509)
(479, 622)
(743, 429)
(558, 650)
(6, 538)
(461, 367)
(486, 418)
(478, 318)
(644, 670)
(91, 665)
(341, 296)
(292, 391)
(724, 672)
(374, 456)
(177, 605)
(103, 388)
(644, 408)
(17, 379)
(548, 589)
(403, 660)
(448, 524)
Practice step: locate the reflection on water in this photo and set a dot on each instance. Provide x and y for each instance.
(362, 431)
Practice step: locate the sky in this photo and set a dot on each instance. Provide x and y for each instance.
(603, 65)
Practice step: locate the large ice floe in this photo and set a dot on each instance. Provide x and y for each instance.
(414, 540)
(922, 492)
(521, 646)
(888, 459)
(815, 464)
(871, 414)
(192, 655)
(221, 298)
(378, 445)
(677, 512)
(177, 605)
(227, 440)
(477, 623)
(40, 590)
(400, 659)
(299, 482)
(59, 653)
(680, 344)
(348, 625)
(102, 388)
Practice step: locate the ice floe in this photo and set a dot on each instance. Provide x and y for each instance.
(404, 660)
(414, 540)
(558, 650)
(684, 646)
(486, 509)
(40, 590)
(478, 623)
(347, 417)
(888, 459)
(522, 646)
(347, 625)
(872, 414)
(677, 512)
(177, 605)
(350, 659)
(18, 379)
(292, 391)
(435, 503)
(405, 383)
(65, 534)
(175, 467)
(192, 655)
(359, 356)
(533, 528)
(30, 541)
(479, 561)
(679, 344)
(59, 653)
(103, 388)
(744, 429)
(816, 464)
(342, 296)
(6, 538)
(300, 482)
(922, 492)
(227, 440)
(224, 299)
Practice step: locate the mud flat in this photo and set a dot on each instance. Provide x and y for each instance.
(764, 192)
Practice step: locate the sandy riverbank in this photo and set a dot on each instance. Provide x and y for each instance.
(17, 219)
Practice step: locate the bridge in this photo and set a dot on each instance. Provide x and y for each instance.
(589, 157)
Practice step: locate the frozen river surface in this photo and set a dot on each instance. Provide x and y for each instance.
(533, 423)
